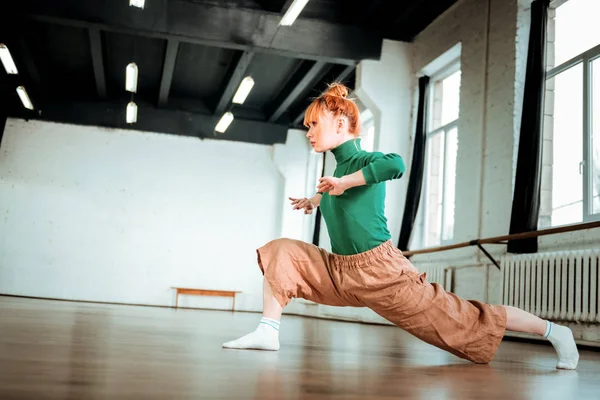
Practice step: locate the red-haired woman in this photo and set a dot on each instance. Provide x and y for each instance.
(364, 268)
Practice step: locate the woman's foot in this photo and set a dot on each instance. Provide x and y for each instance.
(563, 342)
(265, 337)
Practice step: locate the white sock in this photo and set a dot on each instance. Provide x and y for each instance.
(562, 339)
(265, 337)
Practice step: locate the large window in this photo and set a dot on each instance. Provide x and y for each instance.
(571, 150)
(435, 221)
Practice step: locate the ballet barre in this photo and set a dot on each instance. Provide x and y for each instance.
(504, 239)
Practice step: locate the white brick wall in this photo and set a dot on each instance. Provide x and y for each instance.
(492, 63)
(493, 76)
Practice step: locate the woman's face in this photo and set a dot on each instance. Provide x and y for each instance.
(324, 134)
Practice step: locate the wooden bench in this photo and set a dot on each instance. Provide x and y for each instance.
(205, 292)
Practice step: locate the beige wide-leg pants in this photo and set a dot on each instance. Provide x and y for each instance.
(385, 281)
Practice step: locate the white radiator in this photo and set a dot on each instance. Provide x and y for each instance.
(440, 275)
(555, 285)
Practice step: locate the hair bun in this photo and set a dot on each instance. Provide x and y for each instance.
(335, 100)
(337, 89)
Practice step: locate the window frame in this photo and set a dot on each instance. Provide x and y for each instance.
(443, 73)
(586, 164)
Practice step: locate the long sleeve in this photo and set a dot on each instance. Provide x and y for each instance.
(383, 167)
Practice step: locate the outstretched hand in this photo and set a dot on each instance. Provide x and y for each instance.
(334, 186)
(304, 203)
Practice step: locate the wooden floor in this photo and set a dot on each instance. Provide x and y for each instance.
(62, 350)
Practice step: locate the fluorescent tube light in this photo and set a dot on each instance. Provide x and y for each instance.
(137, 3)
(24, 97)
(292, 13)
(131, 78)
(243, 90)
(224, 122)
(7, 60)
(131, 112)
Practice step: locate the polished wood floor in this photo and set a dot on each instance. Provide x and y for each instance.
(63, 350)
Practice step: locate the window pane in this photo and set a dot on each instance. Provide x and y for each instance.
(564, 117)
(568, 214)
(445, 102)
(451, 97)
(450, 183)
(433, 198)
(595, 143)
(576, 29)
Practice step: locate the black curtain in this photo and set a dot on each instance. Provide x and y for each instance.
(4, 99)
(2, 123)
(526, 200)
(317, 232)
(415, 181)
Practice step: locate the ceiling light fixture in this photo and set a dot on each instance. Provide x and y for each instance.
(243, 90)
(24, 97)
(131, 78)
(224, 122)
(132, 110)
(7, 60)
(292, 13)
(137, 3)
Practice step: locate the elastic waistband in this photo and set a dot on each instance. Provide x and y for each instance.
(385, 250)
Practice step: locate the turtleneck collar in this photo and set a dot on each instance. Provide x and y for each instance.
(346, 150)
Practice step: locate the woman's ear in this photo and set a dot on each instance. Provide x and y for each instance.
(340, 125)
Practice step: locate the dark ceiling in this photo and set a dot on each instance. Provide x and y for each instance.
(192, 55)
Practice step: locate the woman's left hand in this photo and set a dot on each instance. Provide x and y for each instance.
(335, 186)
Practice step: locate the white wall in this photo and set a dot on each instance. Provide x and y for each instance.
(120, 216)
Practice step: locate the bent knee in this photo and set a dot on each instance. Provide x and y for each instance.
(282, 244)
(480, 358)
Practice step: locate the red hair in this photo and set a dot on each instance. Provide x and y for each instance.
(335, 100)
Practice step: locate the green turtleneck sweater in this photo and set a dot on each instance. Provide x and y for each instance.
(356, 220)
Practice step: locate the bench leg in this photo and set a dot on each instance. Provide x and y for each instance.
(233, 305)
(176, 300)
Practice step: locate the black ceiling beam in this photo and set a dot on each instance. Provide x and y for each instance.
(271, 5)
(167, 72)
(235, 78)
(407, 13)
(98, 61)
(217, 26)
(372, 8)
(27, 58)
(417, 15)
(341, 77)
(287, 4)
(111, 114)
(318, 70)
(28, 73)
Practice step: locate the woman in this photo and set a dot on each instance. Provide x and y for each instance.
(364, 268)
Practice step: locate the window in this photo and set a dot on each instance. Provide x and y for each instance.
(435, 220)
(367, 135)
(571, 130)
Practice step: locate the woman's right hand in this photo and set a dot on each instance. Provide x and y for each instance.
(304, 203)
